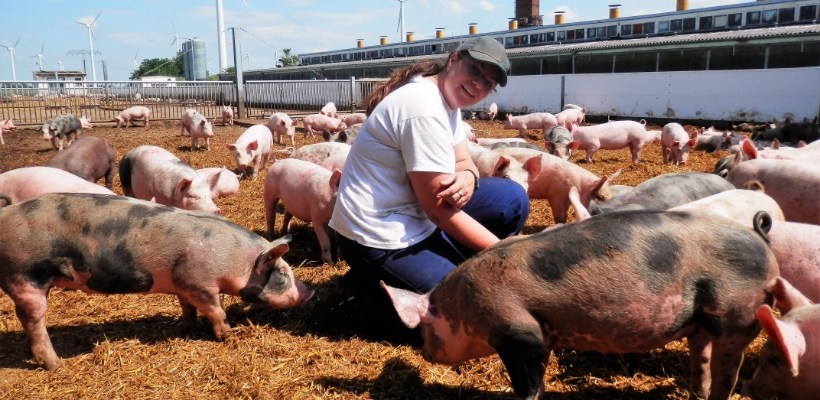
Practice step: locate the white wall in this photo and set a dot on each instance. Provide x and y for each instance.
(750, 95)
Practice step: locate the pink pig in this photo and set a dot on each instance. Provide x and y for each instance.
(496, 164)
(541, 121)
(281, 125)
(486, 141)
(86, 122)
(198, 128)
(353, 119)
(227, 183)
(739, 205)
(227, 115)
(308, 192)
(329, 110)
(251, 149)
(556, 178)
(612, 136)
(128, 115)
(675, 143)
(573, 115)
(319, 122)
(490, 113)
(8, 125)
(809, 154)
(336, 161)
(24, 183)
(317, 153)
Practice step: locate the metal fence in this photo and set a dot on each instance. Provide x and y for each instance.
(34, 102)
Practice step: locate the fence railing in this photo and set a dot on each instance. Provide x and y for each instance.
(35, 102)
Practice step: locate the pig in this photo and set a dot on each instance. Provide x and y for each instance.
(490, 113)
(569, 106)
(664, 192)
(788, 362)
(24, 183)
(108, 244)
(675, 144)
(752, 127)
(346, 136)
(227, 183)
(794, 185)
(86, 122)
(572, 115)
(488, 141)
(308, 192)
(558, 140)
(127, 116)
(185, 121)
(523, 145)
(710, 143)
(555, 179)
(493, 164)
(541, 121)
(200, 128)
(329, 110)
(251, 150)
(153, 173)
(1, 137)
(353, 119)
(90, 158)
(8, 125)
(612, 136)
(318, 152)
(60, 127)
(281, 125)
(795, 246)
(747, 151)
(739, 205)
(227, 115)
(319, 122)
(335, 161)
(797, 131)
(679, 274)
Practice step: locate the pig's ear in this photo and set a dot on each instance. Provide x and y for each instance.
(581, 213)
(334, 180)
(508, 116)
(747, 149)
(787, 336)
(691, 142)
(775, 144)
(202, 123)
(183, 185)
(254, 145)
(413, 308)
(614, 175)
(573, 145)
(801, 144)
(213, 180)
(343, 136)
(597, 185)
(282, 122)
(278, 248)
(533, 167)
(231, 147)
(502, 164)
(568, 125)
(785, 295)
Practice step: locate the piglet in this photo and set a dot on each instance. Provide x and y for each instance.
(558, 140)
(318, 152)
(153, 173)
(86, 122)
(127, 116)
(524, 297)
(541, 121)
(319, 122)
(61, 127)
(789, 363)
(490, 113)
(329, 110)
(571, 115)
(308, 192)
(90, 158)
(24, 183)
(227, 115)
(200, 128)
(112, 244)
(675, 143)
(227, 182)
(282, 125)
(493, 164)
(8, 125)
(251, 150)
(353, 119)
(612, 136)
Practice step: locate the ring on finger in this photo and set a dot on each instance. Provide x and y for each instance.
(459, 195)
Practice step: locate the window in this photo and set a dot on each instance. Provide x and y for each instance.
(637, 29)
(524, 39)
(753, 18)
(689, 24)
(808, 12)
(570, 35)
(649, 28)
(768, 17)
(663, 26)
(534, 38)
(590, 33)
(550, 36)
(579, 33)
(542, 37)
(705, 23)
(509, 41)
(601, 32)
(626, 30)
(562, 35)
(735, 19)
(612, 30)
(676, 25)
(516, 40)
(785, 15)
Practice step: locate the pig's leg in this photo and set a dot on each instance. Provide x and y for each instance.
(147, 121)
(181, 129)
(324, 241)
(188, 318)
(210, 306)
(522, 133)
(270, 216)
(591, 151)
(286, 222)
(700, 354)
(30, 305)
(194, 143)
(53, 143)
(207, 143)
(665, 151)
(635, 148)
(523, 351)
(560, 208)
(292, 142)
(727, 355)
(1, 137)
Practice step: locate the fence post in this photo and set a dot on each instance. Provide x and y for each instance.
(563, 88)
(353, 94)
(240, 88)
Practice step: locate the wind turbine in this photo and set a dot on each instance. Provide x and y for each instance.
(40, 57)
(91, 44)
(248, 57)
(401, 19)
(12, 57)
(134, 61)
(61, 65)
(220, 27)
(176, 38)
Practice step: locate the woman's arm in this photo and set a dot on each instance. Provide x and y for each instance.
(458, 188)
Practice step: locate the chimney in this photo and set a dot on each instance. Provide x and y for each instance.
(513, 24)
(382, 40)
(359, 42)
(473, 28)
(614, 11)
(439, 33)
(559, 17)
(409, 36)
(683, 5)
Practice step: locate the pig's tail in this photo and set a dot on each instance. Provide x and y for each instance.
(398, 78)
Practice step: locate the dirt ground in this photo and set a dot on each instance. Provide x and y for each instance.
(130, 346)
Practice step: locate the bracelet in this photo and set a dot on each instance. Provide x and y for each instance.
(475, 179)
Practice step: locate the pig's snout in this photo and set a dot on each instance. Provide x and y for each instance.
(217, 211)
(682, 163)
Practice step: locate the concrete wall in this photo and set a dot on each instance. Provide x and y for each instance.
(750, 95)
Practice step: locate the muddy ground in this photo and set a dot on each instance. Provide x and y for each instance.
(130, 346)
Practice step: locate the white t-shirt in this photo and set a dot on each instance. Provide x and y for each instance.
(412, 129)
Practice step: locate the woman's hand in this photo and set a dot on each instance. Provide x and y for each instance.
(457, 189)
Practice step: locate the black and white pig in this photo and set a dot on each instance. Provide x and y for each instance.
(113, 244)
(60, 127)
(624, 282)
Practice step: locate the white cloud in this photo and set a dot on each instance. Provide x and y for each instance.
(455, 7)
(486, 5)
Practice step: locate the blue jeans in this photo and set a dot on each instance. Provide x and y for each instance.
(499, 204)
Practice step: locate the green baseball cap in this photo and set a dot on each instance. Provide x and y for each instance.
(487, 50)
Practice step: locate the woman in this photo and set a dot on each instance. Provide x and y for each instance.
(410, 207)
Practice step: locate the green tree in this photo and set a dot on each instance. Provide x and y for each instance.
(287, 59)
(230, 70)
(160, 66)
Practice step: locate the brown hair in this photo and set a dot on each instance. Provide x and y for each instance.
(399, 78)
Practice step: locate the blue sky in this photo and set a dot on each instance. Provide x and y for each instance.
(144, 27)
